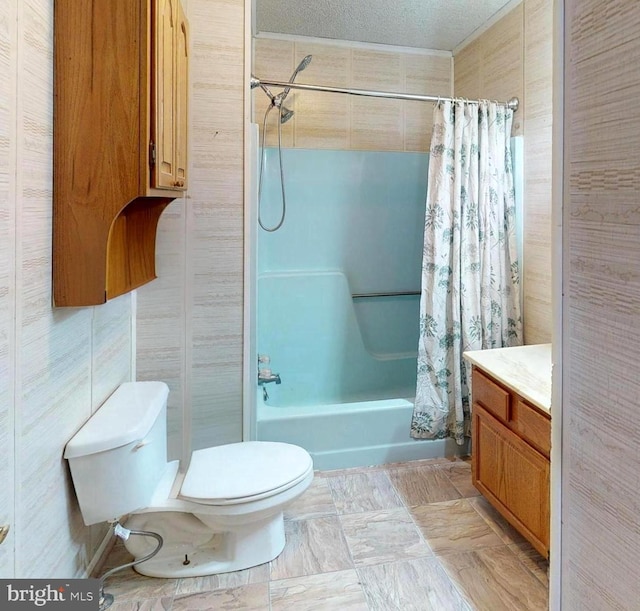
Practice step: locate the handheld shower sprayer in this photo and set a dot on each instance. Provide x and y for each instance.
(306, 60)
(284, 114)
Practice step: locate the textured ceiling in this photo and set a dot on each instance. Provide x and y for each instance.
(427, 24)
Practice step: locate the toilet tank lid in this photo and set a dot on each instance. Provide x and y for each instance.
(126, 416)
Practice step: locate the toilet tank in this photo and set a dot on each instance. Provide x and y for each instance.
(119, 455)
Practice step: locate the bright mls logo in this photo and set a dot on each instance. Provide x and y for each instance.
(67, 594)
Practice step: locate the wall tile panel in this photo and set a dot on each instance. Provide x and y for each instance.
(340, 122)
(601, 226)
(8, 50)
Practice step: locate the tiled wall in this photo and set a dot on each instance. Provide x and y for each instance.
(601, 285)
(491, 66)
(514, 58)
(189, 321)
(56, 366)
(337, 121)
(8, 34)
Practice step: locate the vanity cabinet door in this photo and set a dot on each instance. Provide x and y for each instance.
(512, 476)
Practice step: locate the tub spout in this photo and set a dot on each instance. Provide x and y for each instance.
(266, 377)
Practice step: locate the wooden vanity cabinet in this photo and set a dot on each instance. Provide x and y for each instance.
(510, 457)
(120, 141)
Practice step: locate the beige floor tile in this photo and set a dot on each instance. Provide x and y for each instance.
(367, 491)
(192, 585)
(424, 462)
(530, 558)
(454, 526)
(340, 591)
(494, 579)
(419, 585)
(459, 474)
(423, 485)
(382, 536)
(486, 563)
(253, 597)
(128, 585)
(153, 604)
(313, 546)
(316, 501)
(507, 533)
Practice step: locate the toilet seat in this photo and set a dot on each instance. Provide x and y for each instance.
(243, 472)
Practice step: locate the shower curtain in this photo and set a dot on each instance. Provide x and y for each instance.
(470, 280)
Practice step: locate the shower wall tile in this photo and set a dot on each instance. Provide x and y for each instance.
(322, 119)
(275, 59)
(376, 70)
(334, 121)
(503, 61)
(514, 57)
(376, 124)
(491, 66)
(467, 61)
(538, 91)
(427, 75)
(8, 144)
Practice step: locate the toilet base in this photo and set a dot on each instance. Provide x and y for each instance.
(192, 549)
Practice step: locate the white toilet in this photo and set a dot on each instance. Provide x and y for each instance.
(224, 514)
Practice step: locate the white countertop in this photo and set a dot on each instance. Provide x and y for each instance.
(524, 369)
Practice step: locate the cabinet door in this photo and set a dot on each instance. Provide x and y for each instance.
(512, 476)
(164, 74)
(182, 91)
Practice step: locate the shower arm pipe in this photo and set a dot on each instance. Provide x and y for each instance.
(512, 104)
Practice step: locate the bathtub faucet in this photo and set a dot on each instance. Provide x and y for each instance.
(265, 376)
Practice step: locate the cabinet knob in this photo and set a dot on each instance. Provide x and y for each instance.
(178, 183)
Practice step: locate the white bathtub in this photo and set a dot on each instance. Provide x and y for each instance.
(351, 434)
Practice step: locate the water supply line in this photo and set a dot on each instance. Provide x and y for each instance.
(106, 599)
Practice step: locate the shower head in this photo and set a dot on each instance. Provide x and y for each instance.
(285, 114)
(301, 66)
(306, 60)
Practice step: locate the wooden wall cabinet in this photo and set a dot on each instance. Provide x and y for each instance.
(510, 458)
(120, 141)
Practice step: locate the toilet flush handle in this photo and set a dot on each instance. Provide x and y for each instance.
(141, 444)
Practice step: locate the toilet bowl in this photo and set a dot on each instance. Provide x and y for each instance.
(223, 513)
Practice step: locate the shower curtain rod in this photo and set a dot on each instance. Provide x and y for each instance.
(512, 104)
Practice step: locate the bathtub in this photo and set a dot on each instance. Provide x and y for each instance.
(356, 434)
(343, 392)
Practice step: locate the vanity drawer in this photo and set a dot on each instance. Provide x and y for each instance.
(532, 426)
(491, 396)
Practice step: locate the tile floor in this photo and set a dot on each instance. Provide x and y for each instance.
(407, 536)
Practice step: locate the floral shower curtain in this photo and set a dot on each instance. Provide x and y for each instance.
(470, 279)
